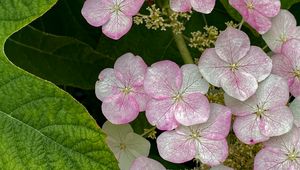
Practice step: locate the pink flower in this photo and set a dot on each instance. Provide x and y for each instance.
(121, 89)
(234, 65)
(115, 16)
(287, 65)
(257, 13)
(144, 163)
(221, 167)
(263, 115)
(203, 6)
(177, 95)
(206, 142)
(282, 152)
(295, 107)
(284, 28)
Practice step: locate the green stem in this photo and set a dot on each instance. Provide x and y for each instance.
(241, 24)
(148, 131)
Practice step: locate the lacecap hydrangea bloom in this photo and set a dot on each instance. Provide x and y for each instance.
(121, 89)
(115, 16)
(282, 152)
(264, 114)
(287, 65)
(125, 144)
(295, 107)
(206, 141)
(144, 163)
(257, 13)
(234, 65)
(284, 27)
(177, 95)
(203, 6)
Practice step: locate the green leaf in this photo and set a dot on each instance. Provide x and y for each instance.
(287, 4)
(41, 126)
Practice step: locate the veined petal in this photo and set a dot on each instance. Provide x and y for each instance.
(241, 108)
(180, 5)
(259, 22)
(117, 132)
(295, 107)
(203, 6)
(269, 8)
(291, 50)
(176, 148)
(295, 87)
(144, 163)
(137, 145)
(282, 66)
(118, 25)
(141, 97)
(96, 12)
(232, 45)
(131, 7)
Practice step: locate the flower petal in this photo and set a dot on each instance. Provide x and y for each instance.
(131, 7)
(211, 152)
(268, 8)
(120, 108)
(203, 6)
(221, 167)
(258, 21)
(295, 107)
(276, 121)
(137, 145)
(176, 148)
(282, 66)
(291, 49)
(192, 109)
(246, 129)
(256, 63)
(96, 12)
(141, 97)
(117, 132)
(118, 25)
(239, 85)
(180, 5)
(241, 108)
(232, 45)
(218, 125)
(160, 113)
(163, 79)
(212, 67)
(295, 87)
(144, 163)
(193, 80)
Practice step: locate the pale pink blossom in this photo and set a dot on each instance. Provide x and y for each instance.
(284, 27)
(115, 16)
(221, 167)
(257, 13)
(177, 95)
(280, 153)
(206, 142)
(121, 89)
(203, 6)
(287, 65)
(295, 107)
(144, 163)
(234, 65)
(263, 115)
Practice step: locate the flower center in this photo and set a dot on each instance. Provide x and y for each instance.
(292, 156)
(127, 90)
(234, 67)
(177, 97)
(260, 111)
(250, 5)
(122, 146)
(297, 73)
(116, 7)
(283, 38)
(195, 134)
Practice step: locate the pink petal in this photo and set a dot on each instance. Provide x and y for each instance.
(176, 148)
(160, 113)
(241, 108)
(130, 70)
(295, 107)
(193, 80)
(273, 92)
(246, 129)
(144, 163)
(96, 12)
(180, 5)
(192, 109)
(256, 63)
(218, 125)
(232, 45)
(268, 8)
(282, 66)
(118, 25)
(220, 167)
(163, 79)
(211, 152)
(291, 50)
(239, 85)
(141, 97)
(240, 6)
(203, 6)
(212, 67)
(131, 7)
(295, 87)
(120, 109)
(276, 121)
(258, 21)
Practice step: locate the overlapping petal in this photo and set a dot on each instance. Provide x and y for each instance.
(131, 7)
(295, 107)
(203, 6)
(259, 22)
(116, 132)
(269, 8)
(144, 163)
(241, 108)
(180, 5)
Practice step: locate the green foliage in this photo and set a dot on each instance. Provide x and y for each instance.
(41, 126)
(287, 4)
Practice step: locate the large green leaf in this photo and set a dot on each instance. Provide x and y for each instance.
(41, 126)
(287, 4)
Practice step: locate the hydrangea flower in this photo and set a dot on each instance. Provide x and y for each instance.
(263, 115)
(125, 144)
(121, 89)
(295, 107)
(144, 163)
(284, 27)
(206, 142)
(221, 167)
(115, 16)
(287, 65)
(177, 95)
(203, 6)
(234, 65)
(282, 152)
(257, 13)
